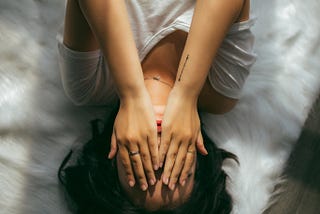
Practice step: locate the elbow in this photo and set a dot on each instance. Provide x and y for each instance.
(76, 98)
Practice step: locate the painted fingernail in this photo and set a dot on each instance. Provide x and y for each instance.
(183, 183)
(144, 187)
(131, 183)
(165, 180)
(172, 186)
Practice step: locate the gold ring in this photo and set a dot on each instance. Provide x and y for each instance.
(190, 152)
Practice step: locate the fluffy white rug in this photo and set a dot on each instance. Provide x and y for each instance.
(38, 123)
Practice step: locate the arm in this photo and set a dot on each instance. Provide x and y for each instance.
(181, 124)
(105, 24)
(110, 23)
(211, 21)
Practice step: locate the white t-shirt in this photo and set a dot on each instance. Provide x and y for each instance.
(86, 78)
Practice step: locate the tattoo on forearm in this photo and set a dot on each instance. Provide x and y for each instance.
(184, 65)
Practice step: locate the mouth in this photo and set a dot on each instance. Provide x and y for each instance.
(159, 125)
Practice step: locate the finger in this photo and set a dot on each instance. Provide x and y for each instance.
(113, 147)
(147, 165)
(126, 163)
(200, 145)
(164, 145)
(153, 148)
(137, 166)
(178, 165)
(170, 159)
(188, 166)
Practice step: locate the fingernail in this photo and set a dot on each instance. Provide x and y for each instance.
(172, 186)
(155, 167)
(161, 164)
(165, 180)
(152, 182)
(131, 183)
(183, 183)
(144, 187)
(109, 155)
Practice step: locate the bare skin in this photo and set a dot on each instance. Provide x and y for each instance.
(162, 61)
(166, 56)
(159, 196)
(87, 28)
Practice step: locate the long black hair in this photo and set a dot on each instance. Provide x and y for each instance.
(92, 183)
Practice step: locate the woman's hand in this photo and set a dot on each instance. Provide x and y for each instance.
(135, 135)
(179, 137)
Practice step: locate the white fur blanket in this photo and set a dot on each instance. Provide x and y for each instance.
(38, 124)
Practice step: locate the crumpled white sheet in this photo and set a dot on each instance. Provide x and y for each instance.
(38, 124)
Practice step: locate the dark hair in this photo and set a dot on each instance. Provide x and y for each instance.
(92, 181)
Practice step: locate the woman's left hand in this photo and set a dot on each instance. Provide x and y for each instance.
(180, 136)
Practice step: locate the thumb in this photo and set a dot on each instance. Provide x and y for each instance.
(113, 146)
(200, 145)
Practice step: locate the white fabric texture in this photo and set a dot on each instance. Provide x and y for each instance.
(86, 77)
(39, 124)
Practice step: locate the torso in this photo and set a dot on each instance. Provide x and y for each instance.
(166, 54)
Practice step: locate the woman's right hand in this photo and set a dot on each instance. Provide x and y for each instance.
(135, 135)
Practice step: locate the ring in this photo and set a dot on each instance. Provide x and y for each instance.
(132, 153)
(190, 152)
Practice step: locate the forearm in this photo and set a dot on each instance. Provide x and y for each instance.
(211, 21)
(110, 23)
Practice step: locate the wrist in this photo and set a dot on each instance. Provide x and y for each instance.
(187, 96)
(131, 92)
(186, 92)
(134, 96)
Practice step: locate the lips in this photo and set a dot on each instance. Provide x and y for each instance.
(159, 125)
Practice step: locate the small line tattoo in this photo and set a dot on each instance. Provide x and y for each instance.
(184, 65)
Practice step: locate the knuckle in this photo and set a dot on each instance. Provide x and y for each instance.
(169, 168)
(154, 157)
(184, 174)
(149, 172)
(132, 138)
(141, 178)
(187, 136)
(134, 162)
(153, 145)
(183, 160)
(174, 178)
(120, 142)
(128, 174)
(173, 155)
(144, 157)
(190, 163)
(125, 164)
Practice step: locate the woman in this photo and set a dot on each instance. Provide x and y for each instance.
(118, 45)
